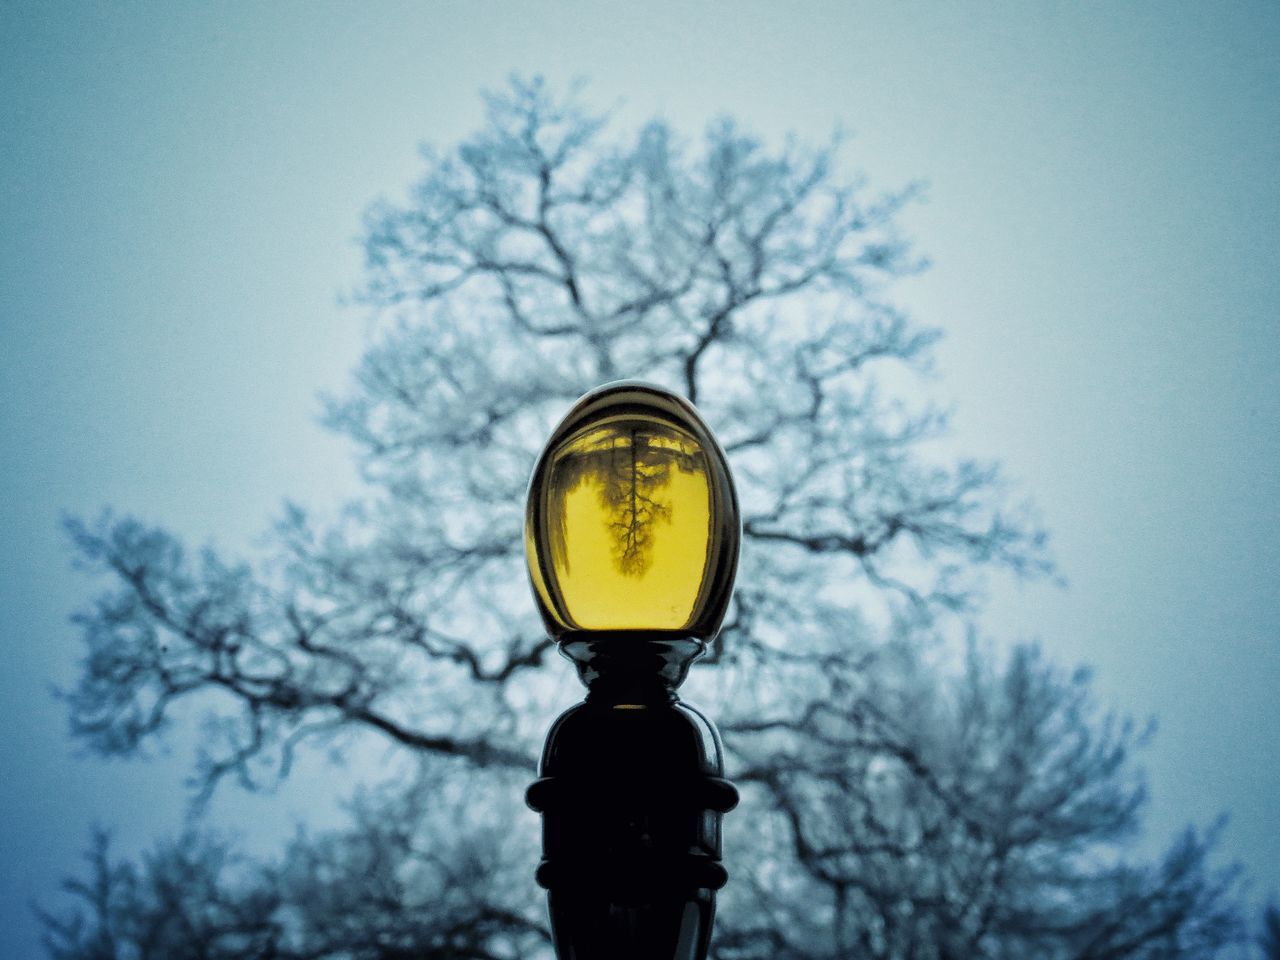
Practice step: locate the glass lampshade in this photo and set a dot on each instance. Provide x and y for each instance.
(632, 522)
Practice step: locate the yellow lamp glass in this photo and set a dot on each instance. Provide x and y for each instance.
(632, 521)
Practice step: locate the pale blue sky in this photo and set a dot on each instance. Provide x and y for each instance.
(182, 186)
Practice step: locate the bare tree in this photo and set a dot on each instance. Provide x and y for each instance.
(894, 805)
(178, 903)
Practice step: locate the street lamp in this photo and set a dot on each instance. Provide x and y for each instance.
(631, 537)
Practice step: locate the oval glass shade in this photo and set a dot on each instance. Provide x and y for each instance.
(632, 521)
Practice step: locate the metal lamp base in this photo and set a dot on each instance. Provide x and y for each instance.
(631, 794)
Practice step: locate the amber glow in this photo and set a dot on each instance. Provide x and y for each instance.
(629, 524)
(632, 522)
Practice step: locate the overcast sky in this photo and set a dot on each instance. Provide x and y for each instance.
(182, 188)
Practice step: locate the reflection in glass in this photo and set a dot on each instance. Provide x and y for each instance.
(628, 509)
(632, 526)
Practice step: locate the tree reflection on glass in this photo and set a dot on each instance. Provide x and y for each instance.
(626, 523)
(628, 465)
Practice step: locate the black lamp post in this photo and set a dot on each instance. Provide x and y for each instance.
(632, 534)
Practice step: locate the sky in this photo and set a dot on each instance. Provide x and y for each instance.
(182, 187)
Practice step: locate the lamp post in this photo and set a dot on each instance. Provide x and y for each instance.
(631, 536)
